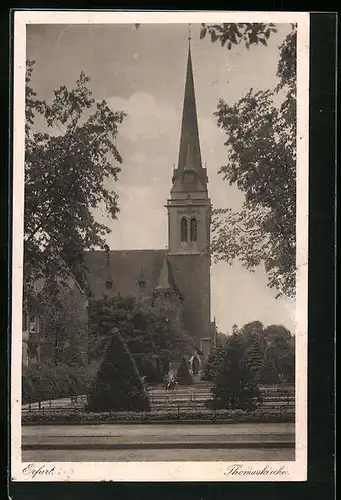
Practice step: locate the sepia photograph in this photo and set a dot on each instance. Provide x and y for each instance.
(160, 223)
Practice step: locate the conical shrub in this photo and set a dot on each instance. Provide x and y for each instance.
(184, 376)
(118, 385)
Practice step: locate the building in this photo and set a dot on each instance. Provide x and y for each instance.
(176, 279)
(180, 275)
(40, 344)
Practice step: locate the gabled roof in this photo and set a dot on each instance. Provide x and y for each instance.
(125, 271)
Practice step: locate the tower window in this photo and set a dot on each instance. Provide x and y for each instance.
(194, 230)
(142, 283)
(108, 284)
(183, 229)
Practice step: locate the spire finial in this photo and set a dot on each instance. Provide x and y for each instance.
(189, 33)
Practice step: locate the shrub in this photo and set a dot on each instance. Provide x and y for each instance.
(184, 376)
(152, 370)
(43, 384)
(149, 367)
(235, 386)
(63, 381)
(229, 416)
(49, 381)
(118, 385)
(213, 363)
(27, 389)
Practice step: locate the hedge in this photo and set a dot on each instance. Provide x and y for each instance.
(38, 417)
(41, 383)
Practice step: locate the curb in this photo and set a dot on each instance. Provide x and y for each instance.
(160, 422)
(160, 446)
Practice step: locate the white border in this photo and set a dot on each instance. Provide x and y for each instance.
(161, 471)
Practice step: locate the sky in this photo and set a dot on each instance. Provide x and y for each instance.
(142, 71)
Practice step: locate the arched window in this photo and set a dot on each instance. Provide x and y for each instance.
(194, 230)
(183, 229)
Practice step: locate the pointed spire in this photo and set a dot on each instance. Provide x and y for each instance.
(189, 139)
(163, 282)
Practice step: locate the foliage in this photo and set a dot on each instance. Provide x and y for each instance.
(171, 380)
(235, 386)
(221, 339)
(270, 352)
(213, 363)
(261, 162)
(280, 414)
(65, 175)
(61, 308)
(118, 385)
(280, 353)
(143, 328)
(183, 375)
(149, 367)
(45, 382)
(229, 34)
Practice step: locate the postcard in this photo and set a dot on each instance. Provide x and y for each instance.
(160, 246)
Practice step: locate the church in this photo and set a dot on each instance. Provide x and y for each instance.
(180, 274)
(177, 278)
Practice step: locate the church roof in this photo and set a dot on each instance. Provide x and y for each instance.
(125, 267)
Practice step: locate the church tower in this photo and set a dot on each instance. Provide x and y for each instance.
(189, 218)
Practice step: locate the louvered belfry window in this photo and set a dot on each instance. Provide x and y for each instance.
(194, 230)
(183, 229)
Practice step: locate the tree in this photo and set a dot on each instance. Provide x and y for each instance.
(149, 367)
(269, 351)
(230, 34)
(213, 362)
(144, 329)
(221, 339)
(235, 386)
(118, 385)
(280, 354)
(183, 375)
(261, 162)
(252, 338)
(66, 168)
(61, 309)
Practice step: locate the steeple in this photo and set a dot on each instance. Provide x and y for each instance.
(189, 138)
(189, 206)
(189, 176)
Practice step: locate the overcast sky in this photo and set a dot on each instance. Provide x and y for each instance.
(142, 71)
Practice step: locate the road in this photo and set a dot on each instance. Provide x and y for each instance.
(145, 442)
